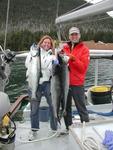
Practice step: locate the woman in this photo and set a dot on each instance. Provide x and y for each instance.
(44, 52)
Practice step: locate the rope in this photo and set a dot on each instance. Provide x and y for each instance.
(89, 143)
(21, 140)
(56, 133)
(107, 114)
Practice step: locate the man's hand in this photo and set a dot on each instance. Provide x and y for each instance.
(61, 52)
(71, 57)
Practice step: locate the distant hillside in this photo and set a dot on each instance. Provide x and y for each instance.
(39, 15)
(29, 19)
(34, 14)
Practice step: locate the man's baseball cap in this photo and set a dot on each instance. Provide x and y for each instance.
(74, 30)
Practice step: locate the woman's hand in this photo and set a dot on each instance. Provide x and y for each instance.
(55, 62)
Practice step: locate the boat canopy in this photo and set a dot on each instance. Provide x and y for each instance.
(95, 9)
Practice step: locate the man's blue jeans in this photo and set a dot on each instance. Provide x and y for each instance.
(43, 90)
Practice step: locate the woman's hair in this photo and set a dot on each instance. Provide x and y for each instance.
(47, 37)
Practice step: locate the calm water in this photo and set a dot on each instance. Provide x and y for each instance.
(17, 84)
(17, 81)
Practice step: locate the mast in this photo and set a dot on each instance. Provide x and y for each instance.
(7, 17)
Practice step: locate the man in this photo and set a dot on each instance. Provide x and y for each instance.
(78, 61)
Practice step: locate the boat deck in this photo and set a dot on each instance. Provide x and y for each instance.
(95, 128)
(44, 141)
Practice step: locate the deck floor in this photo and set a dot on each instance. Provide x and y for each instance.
(62, 142)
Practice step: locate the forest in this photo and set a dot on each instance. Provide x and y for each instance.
(29, 20)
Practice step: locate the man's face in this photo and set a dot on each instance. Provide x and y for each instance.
(74, 37)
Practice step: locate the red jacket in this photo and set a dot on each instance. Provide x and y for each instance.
(78, 67)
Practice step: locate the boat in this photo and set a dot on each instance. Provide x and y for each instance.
(80, 133)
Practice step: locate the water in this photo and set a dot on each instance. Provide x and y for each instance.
(105, 72)
(18, 85)
(17, 82)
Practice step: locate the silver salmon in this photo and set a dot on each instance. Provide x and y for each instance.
(59, 87)
(33, 70)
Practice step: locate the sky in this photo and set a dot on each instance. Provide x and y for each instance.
(96, 1)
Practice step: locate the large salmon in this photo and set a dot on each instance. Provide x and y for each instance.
(33, 69)
(59, 87)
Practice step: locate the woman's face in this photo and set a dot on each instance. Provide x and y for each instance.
(46, 44)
